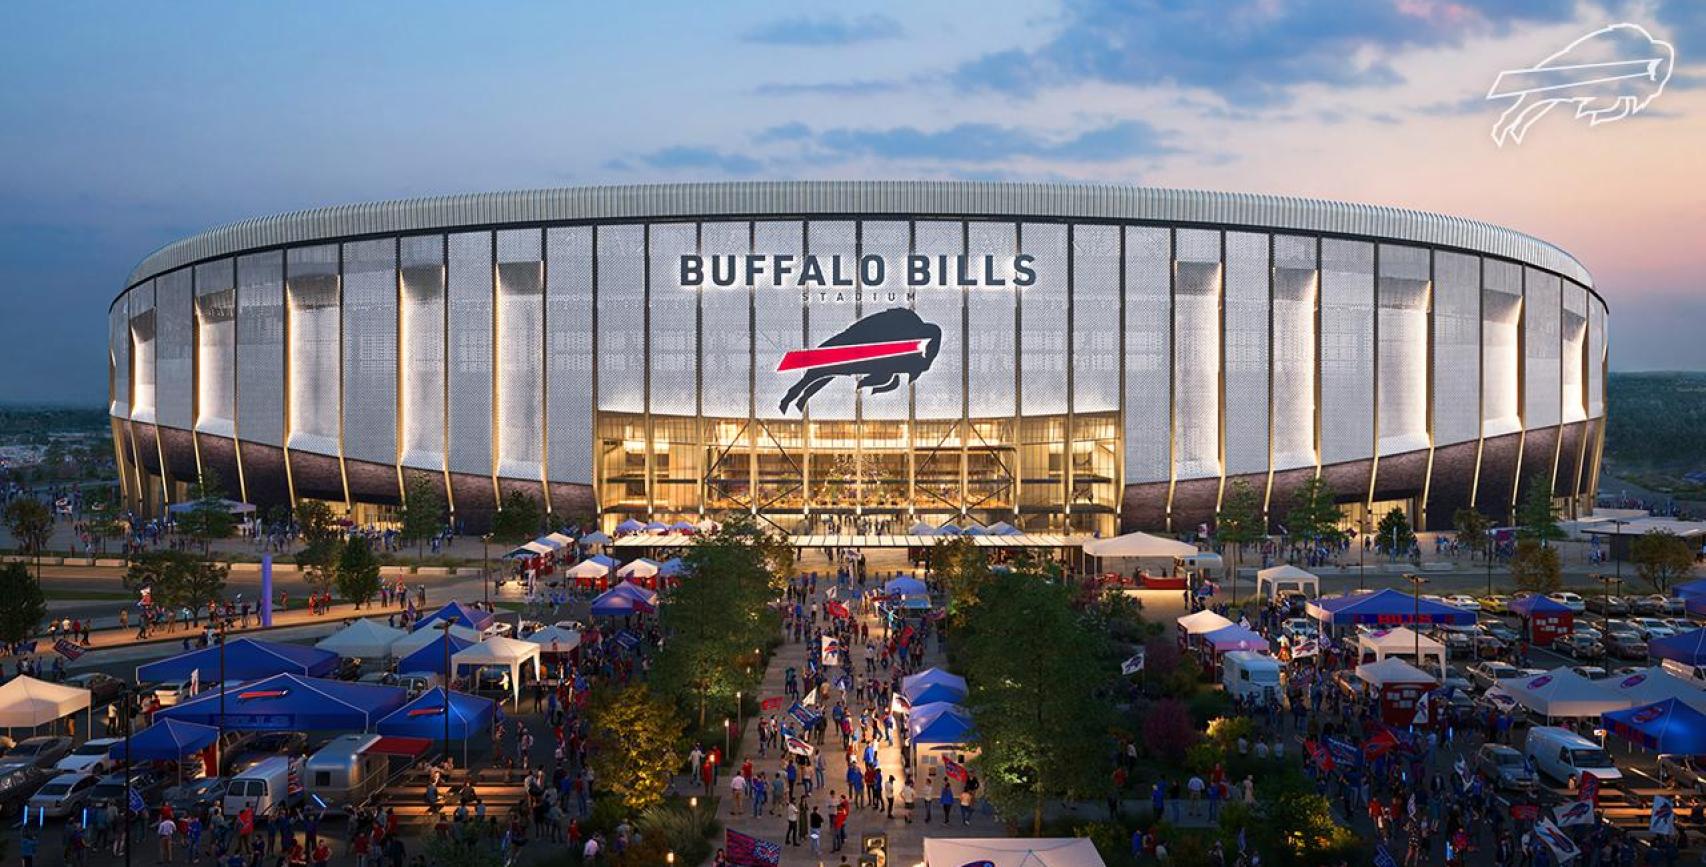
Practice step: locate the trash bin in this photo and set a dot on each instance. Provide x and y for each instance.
(874, 850)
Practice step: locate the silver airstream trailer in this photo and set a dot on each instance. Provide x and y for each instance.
(344, 772)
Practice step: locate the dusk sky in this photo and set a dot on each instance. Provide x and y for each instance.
(129, 125)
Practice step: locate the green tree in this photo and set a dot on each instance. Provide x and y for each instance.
(176, 578)
(1535, 567)
(518, 519)
(1315, 516)
(1473, 529)
(1393, 537)
(1038, 701)
(357, 571)
(318, 561)
(1537, 515)
(101, 517)
(1661, 558)
(962, 569)
(314, 521)
(203, 581)
(716, 619)
(636, 746)
(1238, 523)
(30, 522)
(25, 606)
(209, 517)
(422, 514)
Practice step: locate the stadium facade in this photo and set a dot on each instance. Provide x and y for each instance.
(862, 355)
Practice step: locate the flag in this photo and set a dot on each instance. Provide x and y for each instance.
(68, 649)
(1589, 789)
(1462, 769)
(1573, 813)
(1383, 858)
(1556, 840)
(804, 716)
(1134, 664)
(837, 609)
(899, 703)
(627, 639)
(1421, 717)
(774, 703)
(746, 851)
(1663, 820)
(195, 681)
(953, 770)
(1305, 649)
(799, 747)
(136, 804)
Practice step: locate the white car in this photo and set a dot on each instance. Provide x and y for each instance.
(62, 795)
(1580, 628)
(1463, 600)
(92, 757)
(1569, 600)
(1651, 628)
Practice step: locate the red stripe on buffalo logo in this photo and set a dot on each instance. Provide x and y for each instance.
(823, 356)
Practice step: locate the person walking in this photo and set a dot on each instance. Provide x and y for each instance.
(792, 837)
(947, 804)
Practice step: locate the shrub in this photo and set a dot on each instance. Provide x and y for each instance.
(1168, 730)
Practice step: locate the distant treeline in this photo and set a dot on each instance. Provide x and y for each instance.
(29, 422)
(1657, 421)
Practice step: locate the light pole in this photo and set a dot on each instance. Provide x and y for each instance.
(1416, 582)
(219, 742)
(1616, 536)
(446, 625)
(486, 567)
(129, 711)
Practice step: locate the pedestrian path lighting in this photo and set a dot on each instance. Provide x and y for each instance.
(728, 736)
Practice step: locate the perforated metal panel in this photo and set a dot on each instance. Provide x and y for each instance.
(830, 310)
(1347, 350)
(674, 323)
(1246, 352)
(1403, 390)
(1042, 322)
(311, 290)
(370, 351)
(520, 340)
(1196, 357)
(888, 240)
(118, 356)
(726, 313)
(216, 347)
(1148, 373)
(1457, 348)
(937, 393)
(1541, 325)
(260, 348)
(174, 365)
(568, 334)
(468, 295)
(989, 325)
(1596, 359)
(780, 322)
(424, 360)
(621, 293)
(143, 331)
(1575, 343)
(1296, 285)
(1501, 310)
(1095, 318)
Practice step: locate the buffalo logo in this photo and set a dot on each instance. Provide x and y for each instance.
(877, 350)
(1647, 714)
(1539, 681)
(1632, 680)
(1609, 74)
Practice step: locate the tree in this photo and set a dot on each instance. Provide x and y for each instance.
(1315, 515)
(1238, 523)
(716, 619)
(1473, 529)
(102, 520)
(422, 514)
(1393, 537)
(1537, 515)
(636, 746)
(25, 606)
(518, 519)
(1661, 558)
(30, 522)
(357, 571)
(209, 517)
(1535, 567)
(961, 568)
(202, 581)
(318, 561)
(314, 521)
(1168, 730)
(176, 578)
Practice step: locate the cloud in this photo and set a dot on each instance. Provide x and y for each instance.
(795, 131)
(1250, 52)
(825, 30)
(687, 157)
(987, 143)
(827, 88)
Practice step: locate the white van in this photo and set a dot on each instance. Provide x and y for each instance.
(274, 781)
(1695, 674)
(1564, 755)
(1250, 675)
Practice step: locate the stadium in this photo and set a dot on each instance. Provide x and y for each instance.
(839, 357)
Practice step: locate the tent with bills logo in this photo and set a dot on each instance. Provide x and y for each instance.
(291, 703)
(1011, 852)
(1562, 693)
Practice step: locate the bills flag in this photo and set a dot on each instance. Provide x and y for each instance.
(1556, 840)
(1134, 664)
(743, 850)
(1663, 820)
(953, 770)
(67, 648)
(1573, 813)
(799, 747)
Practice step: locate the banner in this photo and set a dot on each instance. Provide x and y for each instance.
(627, 639)
(799, 747)
(770, 705)
(1663, 819)
(1556, 840)
(747, 851)
(1573, 813)
(804, 716)
(1344, 752)
(954, 770)
(836, 609)
(1588, 789)
(1135, 663)
(1306, 649)
(68, 649)
(899, 704)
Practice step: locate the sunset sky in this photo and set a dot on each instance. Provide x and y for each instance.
(130, 125)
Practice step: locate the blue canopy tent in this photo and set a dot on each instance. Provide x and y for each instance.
(288, 702)
(905, 587)
(1669, 726)
(167, 741)
(656, 527)
(1695, 605)
(933, 685)
(1386, 608)
(431, 658)
(1686, 647)
(939, 722)
(460, 614)
(1528, 606)
(630, 526)
(613, 603)
(1690, 589)
(949, 530)
(470, 716)
(244, 659)
(673, 567)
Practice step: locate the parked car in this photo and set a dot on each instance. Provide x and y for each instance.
(1496, 604)
(18, 783)
(1657, 604)
(110, 788)
(1579, 647)
(1683, 771)
(264, 746)
(1455, 678)
(169, 694)
(1608, 605)
(102, 687)
(62, 795)
(1572, 601)
(1624, 645)
(1457, 643)
(91, 757)
(43, 751)
(1488, 647)
(1651, 628)
(1591, 672)
(1298, 629)
(1580, 628)
(1353, 686)
(192, 796)
(1463, 600)
(1485, 674)
(1506, 767)
(349, 668)
(1502, 632)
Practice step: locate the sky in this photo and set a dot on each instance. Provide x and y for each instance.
(124, 126)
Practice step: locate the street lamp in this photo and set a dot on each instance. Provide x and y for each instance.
(728, 737)
(486, 567)
(129, 712)
(1617, 525)
(1416, 582)
(446, 625)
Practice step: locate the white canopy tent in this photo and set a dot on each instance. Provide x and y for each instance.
(1202, 621)
(641, 568)
(422, 637)
(528, 549)
(1011, 852)
(563, 540)
(587, 569)
(510, 653)
(1564, 693)
(1139, 545)
(1270, 583)
(1393, 671)
(26, 702)
(1654, 684)
(1403, 642)
(363, 639)
(555, 639)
